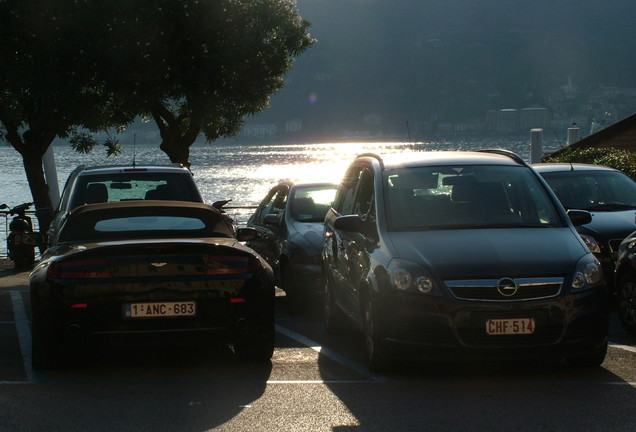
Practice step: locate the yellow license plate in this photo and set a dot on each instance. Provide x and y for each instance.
(160, 309)
(511, 326)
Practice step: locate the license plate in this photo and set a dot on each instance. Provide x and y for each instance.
(516, 326)
(160, 309)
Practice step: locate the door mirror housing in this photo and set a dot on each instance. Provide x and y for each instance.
(579, 217)
(246, 234)
(272, 219)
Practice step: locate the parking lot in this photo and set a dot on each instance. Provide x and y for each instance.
(314, 382)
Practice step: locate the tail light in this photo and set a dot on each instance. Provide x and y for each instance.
(80, 269)
(231, 265)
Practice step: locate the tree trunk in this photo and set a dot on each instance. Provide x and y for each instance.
(177, 150)
(32, 161)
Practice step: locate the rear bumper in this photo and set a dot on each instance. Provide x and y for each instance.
(225, 318)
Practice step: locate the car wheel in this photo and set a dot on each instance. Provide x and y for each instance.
(595, 358)
(20, 260)
(256, 345)
(378, 358)
(47, 351)
(295, 299)
(626, 291)
(334, 319)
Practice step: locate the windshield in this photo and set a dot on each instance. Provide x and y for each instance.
(593, 190)
(311, 204)
(453, 197)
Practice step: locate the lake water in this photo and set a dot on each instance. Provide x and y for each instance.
(242, 172)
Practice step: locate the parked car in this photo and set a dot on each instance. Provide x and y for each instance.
(289, 221)
(90, 185)
(450, 253)
(138, 268)
(608, 194)
(626, 283)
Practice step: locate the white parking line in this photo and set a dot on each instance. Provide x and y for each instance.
(24, 335)
(333, 355)
(623, 347)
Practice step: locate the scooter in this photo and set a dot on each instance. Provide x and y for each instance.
(21, 241)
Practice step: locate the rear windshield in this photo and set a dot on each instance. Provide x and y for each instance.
(144, 223)
(128, 186)
(481, 196)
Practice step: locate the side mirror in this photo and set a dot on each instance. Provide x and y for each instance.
(349, 223)
(579, 217)
(246, 234)
(272, 219)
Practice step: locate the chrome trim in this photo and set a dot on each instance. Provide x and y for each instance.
(521, 283)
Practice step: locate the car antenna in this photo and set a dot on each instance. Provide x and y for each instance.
(134, 149)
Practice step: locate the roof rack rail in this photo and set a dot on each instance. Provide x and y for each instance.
(512, 155)
(375, 156)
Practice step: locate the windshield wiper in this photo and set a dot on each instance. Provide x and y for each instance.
(612, 206)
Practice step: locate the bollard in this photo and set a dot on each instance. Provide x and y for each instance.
(536, 145)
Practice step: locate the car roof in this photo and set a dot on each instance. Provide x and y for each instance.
(301, 185)
(562, 167)
(414, 159)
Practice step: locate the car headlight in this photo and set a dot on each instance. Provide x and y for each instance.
(591, 243)
(406, 276)
(588, 274)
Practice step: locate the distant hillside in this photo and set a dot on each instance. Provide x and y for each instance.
(450, 59)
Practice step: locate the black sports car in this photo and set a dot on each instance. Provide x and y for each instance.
(144, 267)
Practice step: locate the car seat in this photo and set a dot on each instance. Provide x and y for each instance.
(96, 193)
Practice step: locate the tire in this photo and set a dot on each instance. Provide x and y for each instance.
(23, 257)
(256, 346)
(594, 359)
(295, 301)
(334, 319)
(626, 299)
(47, 349)
(378, 356)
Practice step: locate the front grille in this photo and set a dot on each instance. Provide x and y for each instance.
(505, 289)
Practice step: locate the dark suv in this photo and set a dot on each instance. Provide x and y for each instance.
(92, 185)
(437, 253)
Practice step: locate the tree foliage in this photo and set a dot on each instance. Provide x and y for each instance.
(49, 85)
(200, 66)
(618, 159)
(195, 66)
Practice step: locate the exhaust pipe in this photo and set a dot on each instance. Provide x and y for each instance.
(74, 329)
(242, 324)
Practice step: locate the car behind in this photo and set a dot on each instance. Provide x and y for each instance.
(608, 194)
(91, 185)
(289, 221)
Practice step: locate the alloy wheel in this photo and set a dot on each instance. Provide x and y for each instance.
(627, 302)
